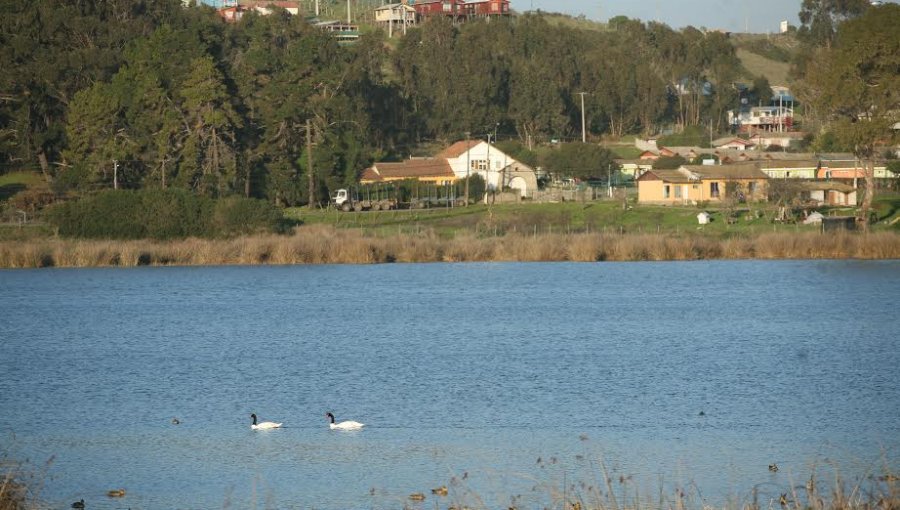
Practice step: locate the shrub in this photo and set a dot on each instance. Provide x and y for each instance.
(235, 216)
(161, 214)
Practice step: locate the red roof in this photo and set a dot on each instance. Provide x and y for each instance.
(409, 169)
(457, 149)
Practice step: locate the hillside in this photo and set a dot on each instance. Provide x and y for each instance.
(766, 55)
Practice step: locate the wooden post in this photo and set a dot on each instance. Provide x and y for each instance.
(309, 165)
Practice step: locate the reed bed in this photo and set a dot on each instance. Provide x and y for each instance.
(321, 244)
(594, 487)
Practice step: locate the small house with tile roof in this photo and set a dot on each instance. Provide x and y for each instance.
(692, 184)
(733, 143)
(828, 193)
(790, 169)
(668, 153)
(648, 156)
(456, 162)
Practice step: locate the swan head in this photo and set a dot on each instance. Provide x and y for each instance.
(330, 417)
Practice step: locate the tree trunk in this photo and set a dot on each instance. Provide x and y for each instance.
(45, 166)
(869, 170)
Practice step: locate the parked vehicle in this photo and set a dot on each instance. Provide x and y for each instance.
(386, 197)
(366, 199)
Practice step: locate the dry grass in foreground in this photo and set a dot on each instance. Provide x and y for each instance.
(320, 244)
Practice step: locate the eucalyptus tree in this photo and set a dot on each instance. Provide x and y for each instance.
(537, 104)
(855, 86)
(581, 160)
(423, 66)
(50, 50)
(820, 19)
(482, 59)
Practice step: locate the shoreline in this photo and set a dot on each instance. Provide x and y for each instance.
(328, 245)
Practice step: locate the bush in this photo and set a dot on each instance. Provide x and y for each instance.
(161, 214)
(236, 216)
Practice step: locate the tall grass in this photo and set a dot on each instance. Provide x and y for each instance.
(321, 244)
(20, 483)
(594, 487)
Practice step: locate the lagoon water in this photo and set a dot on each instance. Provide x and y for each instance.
(505, 382)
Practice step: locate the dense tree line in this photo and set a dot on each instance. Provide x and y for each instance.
(149, 94)
(849, 75)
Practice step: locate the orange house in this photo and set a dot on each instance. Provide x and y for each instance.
(692, 184)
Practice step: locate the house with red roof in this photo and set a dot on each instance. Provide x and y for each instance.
(457, 162)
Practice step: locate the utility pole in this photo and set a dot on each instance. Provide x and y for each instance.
(317, 8)
(583, 131)
(115, 174)
(348, 12)
(309, 165)
(468, 165)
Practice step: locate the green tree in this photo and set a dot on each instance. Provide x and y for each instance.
(209, 162)
(97, 136)
(856, 83)
(820, 19)
(50, 50)
(581, 160)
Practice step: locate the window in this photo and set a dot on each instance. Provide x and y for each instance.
(666, 191)
(714, 189)
(479, 164)
(751, 188)
(677, 191)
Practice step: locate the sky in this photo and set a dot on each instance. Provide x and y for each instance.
(761, 16)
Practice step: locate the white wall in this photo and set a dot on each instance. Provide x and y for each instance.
(481, 151)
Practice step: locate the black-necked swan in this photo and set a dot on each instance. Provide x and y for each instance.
(344, 425)
(264, 425)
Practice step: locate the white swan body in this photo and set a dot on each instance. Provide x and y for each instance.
(344, 425)
(263, 425)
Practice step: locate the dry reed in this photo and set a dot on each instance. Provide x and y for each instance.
(321, 244)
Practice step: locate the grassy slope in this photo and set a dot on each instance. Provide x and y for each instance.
(766, 55)
(14, 182)
(775, 72)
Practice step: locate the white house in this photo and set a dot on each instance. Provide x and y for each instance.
(498, 169)
(766, 139)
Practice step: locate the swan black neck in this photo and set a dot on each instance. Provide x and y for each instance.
(254, 418)
(330, 417)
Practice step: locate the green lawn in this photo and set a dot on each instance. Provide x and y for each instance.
(527, 218)
(14, 182)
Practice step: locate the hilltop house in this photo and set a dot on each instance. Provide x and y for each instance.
(395, 16)
(691, 184)
(460, 160)
(232, 11)
(460, 10)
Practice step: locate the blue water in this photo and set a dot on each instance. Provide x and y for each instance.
(510, 383)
